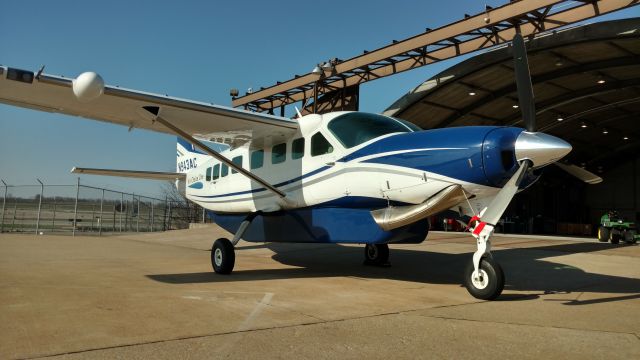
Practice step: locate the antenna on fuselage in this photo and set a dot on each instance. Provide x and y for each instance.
(298, 111)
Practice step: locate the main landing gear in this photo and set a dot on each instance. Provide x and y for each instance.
(483, 277)
(223, 255)
(376, 254)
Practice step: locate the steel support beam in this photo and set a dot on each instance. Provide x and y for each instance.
(487, 29)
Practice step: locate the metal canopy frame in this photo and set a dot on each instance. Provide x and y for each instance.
(494, 26)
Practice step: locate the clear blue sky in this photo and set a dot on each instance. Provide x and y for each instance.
(192, 49)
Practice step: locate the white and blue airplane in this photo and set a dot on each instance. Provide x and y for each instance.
(341, 177)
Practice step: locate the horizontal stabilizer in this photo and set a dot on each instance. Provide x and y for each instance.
(151, 175)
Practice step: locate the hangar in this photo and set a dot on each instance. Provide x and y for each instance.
(586, 82)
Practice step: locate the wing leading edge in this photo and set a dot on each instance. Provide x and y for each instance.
(125, 107)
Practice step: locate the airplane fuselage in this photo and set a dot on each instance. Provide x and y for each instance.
(316, 168)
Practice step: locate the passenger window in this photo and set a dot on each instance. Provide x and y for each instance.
(257, 159)
(320, 145)
(237, 161)
(216, 172)
(297, 148)
(224, 171)
(279, 153)
(208, 176)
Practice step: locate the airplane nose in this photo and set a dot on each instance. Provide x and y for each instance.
(540, 148)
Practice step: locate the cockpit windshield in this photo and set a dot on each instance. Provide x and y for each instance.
(355, 128)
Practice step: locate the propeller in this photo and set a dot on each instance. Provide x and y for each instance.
(528, 109)
(533, 149)
(580, 173)
(523, 83)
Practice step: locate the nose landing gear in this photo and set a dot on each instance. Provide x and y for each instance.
(483, 277)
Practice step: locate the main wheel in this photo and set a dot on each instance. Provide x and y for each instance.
(223, 257)
(629, 237)
(603, 234)
(376, 254)
(490, 282)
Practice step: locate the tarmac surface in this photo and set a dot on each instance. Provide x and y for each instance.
(155, 296)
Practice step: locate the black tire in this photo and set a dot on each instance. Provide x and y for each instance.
(492, 283)
(223, 256)
(603, 234)
(615, 237)
(376, 254)
(629, 237)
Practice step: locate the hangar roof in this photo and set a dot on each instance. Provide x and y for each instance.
(586, 82)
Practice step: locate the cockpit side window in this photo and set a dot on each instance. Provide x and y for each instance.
(353, 129)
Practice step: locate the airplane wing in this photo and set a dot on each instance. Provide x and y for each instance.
(136, 174)
(88, 97)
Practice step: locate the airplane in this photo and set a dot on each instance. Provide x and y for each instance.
(339, 177)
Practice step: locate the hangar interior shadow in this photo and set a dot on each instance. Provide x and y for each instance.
(526, 269)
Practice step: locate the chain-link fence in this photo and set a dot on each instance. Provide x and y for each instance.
(71, 209)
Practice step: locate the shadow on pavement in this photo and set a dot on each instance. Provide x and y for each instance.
(525, 268)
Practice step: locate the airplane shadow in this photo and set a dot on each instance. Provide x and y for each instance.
(525, 269)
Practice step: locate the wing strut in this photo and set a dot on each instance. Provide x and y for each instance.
(154, 110)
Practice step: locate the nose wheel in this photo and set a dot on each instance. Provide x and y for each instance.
(488, 282)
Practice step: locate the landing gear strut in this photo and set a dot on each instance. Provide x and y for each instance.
(483, 277)
(376, 254)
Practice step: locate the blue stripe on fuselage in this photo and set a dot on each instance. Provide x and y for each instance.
(287, 182)
(449, 152)
(458, 146)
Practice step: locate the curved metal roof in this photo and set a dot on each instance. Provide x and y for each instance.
(586, 82)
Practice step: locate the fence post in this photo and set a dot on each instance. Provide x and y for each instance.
(138, 217)
(15, 211)
(75, 208)
(39, 206)
(93, 215)
(152, 216)
(53, 220)
(4, 203)
(121, 205)
(169, 217)
(164, 215)
(100, 218)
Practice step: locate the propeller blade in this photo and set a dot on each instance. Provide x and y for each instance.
(494, 211)
(523, 83)
(580, 173)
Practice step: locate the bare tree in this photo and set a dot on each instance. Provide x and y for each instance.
(182, 211)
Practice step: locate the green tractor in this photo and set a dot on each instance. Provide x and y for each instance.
(613, 228)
